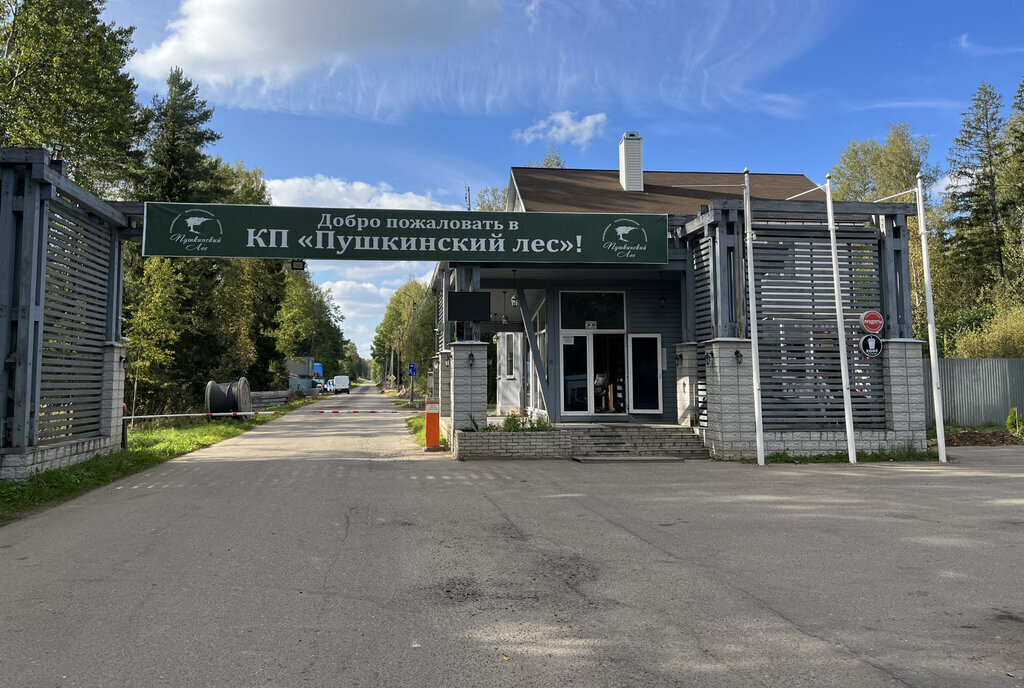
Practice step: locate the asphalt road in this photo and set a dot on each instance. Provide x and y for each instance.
(327, 550)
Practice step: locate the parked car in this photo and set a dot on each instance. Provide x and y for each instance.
(341, 385)
(329, 386)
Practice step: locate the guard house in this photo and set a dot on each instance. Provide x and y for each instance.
(669, 344)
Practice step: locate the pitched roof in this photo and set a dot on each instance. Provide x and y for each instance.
(672, 193)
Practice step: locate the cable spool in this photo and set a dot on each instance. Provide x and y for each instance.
(228, 397)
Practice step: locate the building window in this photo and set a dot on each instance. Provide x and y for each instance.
(591, 310)
(510, 356)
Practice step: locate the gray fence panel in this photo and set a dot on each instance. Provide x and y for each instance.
(976, 391)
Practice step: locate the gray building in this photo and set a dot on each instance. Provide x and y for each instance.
(669, 344)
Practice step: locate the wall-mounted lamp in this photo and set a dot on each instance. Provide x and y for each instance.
(471, 358)
(679, 359)
(709, 358)
(58, 151)
(739, 356)
(447, 362)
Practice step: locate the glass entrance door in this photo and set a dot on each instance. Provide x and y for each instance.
(593, 373)
(576, 396)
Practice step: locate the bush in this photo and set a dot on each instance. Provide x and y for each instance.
(1015, 424)
(1001, 337)
(517, 421)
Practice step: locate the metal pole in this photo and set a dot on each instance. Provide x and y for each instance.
(755, 359)
(933, 349)
(844, 366)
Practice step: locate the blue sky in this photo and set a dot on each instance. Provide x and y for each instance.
(403, 103)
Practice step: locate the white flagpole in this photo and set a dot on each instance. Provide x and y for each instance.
(851, 445)
(933, 349)
(755, 358)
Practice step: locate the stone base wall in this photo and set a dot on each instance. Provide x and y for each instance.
(21, 464)
(470, 446)
(584, 440)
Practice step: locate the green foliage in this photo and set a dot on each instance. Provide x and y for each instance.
(869, 170)
(1015, 424)
(517, 421)
(976, 236)
(1000, 337)
(63, 80)
(176, 168)
(406, 333)
(418, 425)
(974, 159)
(493, 198)
(308, 323)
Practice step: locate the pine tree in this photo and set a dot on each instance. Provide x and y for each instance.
(978, 239)
(1011, 190)
(177, 167)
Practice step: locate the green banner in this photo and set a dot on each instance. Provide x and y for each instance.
(259, 231)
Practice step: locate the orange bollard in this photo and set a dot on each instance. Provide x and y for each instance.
(432, 409)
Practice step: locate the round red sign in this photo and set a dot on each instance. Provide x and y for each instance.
(872, 321)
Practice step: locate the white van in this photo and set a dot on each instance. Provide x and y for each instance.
(341, 384)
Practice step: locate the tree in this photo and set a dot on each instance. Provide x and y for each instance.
(1011, 189)
(869, 170)
(225, 310)
(492, 198)
(176, 166)
(974, 159)
(409, 313)
(63, 80)
(309, 323)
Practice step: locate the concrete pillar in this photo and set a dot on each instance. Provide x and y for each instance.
(112, 395)
(444, 384)
(687, 413)
(904, 391)
(469, 385)
(731, 432)
(434, 376)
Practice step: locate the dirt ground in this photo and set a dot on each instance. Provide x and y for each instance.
(973, 438)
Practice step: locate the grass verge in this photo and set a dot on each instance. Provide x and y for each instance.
(884, 455)
(418, 425)
(148, 445)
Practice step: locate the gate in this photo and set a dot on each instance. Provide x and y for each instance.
(62, 380)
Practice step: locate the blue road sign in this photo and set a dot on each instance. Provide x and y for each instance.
(412, 370)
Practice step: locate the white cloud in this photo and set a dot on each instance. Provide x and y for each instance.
(226, 42)
(975, 50)
(560, 127)
(927, 104)
(373, 59)
(358, 300)
(329, 192)
(392, 273)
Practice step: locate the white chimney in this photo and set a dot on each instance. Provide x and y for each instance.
(631, 162)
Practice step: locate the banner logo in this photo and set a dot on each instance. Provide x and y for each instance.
(196, 229)
(625, 238)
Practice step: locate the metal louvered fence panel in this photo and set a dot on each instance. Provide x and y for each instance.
(801, 381)
(74, 324)
(703, 329)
